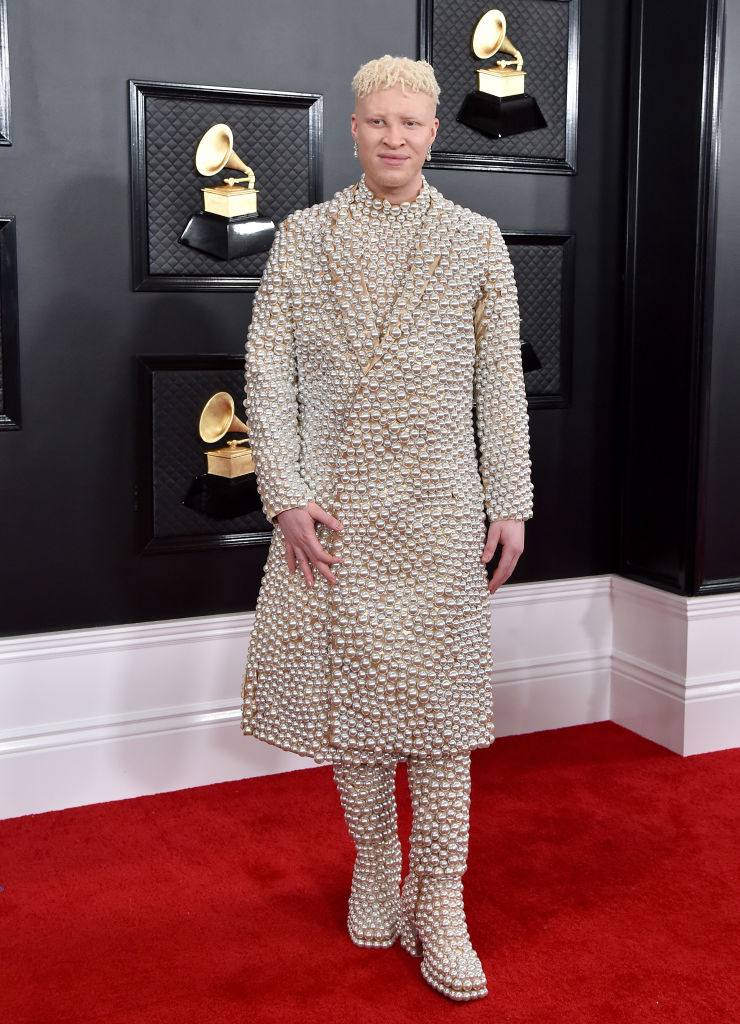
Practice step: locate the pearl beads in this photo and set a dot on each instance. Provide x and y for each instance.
(375, 331)
(368, 797)
(433, 921)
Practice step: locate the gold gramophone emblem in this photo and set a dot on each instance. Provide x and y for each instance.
(499, 106)
(216, 151)
(229, 225)
(506, 77)
(216, 420)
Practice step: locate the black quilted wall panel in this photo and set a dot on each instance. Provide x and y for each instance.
(543, 268)
(177, 461)
(278, 137)
(541, 30)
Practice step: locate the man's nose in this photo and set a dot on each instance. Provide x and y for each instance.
(394, 135)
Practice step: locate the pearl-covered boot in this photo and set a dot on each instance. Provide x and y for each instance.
(368, 797)
(433, 923)
(433, 926)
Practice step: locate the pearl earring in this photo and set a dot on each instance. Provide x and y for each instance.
(429, 153)
(354, 152)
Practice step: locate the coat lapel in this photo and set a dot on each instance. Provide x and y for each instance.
(433, 248)
(349, 289)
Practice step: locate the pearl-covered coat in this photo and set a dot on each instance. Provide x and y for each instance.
(377, 428)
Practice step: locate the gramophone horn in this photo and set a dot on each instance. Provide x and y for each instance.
(490, 37)
(216, 151)
(218, 418)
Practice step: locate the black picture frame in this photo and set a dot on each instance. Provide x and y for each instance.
(548, 34)
(544, 269)
(10, 393)
(278, 134)
(5, 139)
(172, 391)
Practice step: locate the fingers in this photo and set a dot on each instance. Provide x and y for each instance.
(300, 560)
(494, 533)
(320, 516)
(313, 555)
(504, 569)
(290, 556)
(302, 547)
(502, 572)
(305, 568)
(310, 553)
(322, 565)
(509, 534)
(326, 572)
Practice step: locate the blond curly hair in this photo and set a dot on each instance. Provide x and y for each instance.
(387, 71)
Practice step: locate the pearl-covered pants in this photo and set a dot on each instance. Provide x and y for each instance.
(440, 800)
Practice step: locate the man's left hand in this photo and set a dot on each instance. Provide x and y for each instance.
(509, 533)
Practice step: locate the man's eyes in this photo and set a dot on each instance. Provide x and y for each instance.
(407, 124)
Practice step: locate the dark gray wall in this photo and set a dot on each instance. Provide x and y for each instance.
(722, 520)
(68, 546)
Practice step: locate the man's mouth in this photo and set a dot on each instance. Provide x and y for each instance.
(393, 158)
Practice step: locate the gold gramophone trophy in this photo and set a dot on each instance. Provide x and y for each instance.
(229, 224)
(499, 106)
(228, 488)
(216, 420)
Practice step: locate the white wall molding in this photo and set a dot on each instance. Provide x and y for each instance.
(551, 646)
(676, 667)
(118, 727)
(674, 685)
(129, 637)
(100, 714)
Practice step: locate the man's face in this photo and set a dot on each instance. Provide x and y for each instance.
(393, 130)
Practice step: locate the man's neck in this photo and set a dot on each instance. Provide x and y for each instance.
(395, 196)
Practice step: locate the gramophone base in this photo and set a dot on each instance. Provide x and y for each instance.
(498, 117)
(226, 238)
(530, 359)
(221, 498)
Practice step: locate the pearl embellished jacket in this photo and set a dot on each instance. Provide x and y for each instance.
(377, 427)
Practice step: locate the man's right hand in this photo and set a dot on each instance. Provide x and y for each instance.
(302, 546)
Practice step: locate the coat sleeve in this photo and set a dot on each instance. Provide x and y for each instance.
(271, 387)
(500, 398)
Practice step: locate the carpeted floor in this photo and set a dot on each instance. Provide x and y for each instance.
(604, 886)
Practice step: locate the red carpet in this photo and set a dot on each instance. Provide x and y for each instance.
(604, 886)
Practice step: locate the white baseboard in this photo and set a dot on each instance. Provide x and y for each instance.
(676, 667)
(551, 654)
(102, 714)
